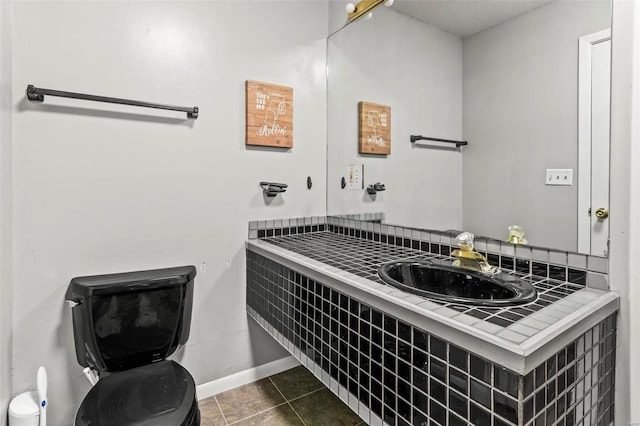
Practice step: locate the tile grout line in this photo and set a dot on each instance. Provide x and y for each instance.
(256, 414)
(296, 413)
(220, 408)
(287, 401)
(307, 394)
(300, 397)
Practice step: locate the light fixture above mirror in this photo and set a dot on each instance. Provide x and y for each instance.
(363, 8)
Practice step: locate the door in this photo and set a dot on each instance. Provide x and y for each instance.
(593, 142)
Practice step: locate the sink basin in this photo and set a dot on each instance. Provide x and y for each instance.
(437, 280)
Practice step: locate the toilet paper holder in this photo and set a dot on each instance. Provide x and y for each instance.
(271, 189)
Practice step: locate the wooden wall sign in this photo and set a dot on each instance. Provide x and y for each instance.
(269, 114)
(374, 128)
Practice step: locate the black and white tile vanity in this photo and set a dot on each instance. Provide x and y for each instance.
(397, 358)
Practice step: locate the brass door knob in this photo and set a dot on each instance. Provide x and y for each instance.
(602, 213)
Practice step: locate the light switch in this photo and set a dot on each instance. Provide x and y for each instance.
(355, 176)
(561, 177)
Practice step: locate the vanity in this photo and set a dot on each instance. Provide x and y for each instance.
(400, 359)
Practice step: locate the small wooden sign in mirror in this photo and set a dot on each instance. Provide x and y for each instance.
(269, 114)
(374, 128)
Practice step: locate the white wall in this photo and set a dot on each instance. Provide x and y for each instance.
(520, 91)
(6, 207)
(375, 60)
(624, 269)
(103, 188)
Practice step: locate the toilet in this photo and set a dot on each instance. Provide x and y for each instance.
(125, 326)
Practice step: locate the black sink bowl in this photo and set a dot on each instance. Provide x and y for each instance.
(437, 280)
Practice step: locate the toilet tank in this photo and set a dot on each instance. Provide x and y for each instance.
(125, 320)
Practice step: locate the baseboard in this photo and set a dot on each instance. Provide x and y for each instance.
(206, 390)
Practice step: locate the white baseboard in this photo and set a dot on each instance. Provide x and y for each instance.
(206, 390)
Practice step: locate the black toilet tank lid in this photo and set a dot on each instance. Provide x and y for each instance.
(82, 287)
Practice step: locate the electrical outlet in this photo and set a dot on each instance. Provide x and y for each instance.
(562, 177)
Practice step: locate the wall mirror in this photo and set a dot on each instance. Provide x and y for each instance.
(526, 83)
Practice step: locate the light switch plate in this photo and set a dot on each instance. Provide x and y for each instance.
(355, 176)
(559, 177)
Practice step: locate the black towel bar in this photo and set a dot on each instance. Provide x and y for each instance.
(37, 94)
(415, 138)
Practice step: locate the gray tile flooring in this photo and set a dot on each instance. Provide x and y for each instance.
(293, 397)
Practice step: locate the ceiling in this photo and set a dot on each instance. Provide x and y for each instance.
(466, 17)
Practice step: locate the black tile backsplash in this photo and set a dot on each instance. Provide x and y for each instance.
(407, 376)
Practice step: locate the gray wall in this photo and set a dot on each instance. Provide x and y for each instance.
(520, 88)
(6, 207)
(100, 188)
(416, 69)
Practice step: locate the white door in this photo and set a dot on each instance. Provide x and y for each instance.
(593, 142)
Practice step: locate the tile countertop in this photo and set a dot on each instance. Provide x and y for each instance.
(519, 345)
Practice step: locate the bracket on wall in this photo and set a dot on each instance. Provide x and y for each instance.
(415, 138)
(36, 94)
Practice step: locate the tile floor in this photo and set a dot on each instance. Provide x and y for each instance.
(293, 397)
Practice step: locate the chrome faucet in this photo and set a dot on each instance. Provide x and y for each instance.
(468, 258)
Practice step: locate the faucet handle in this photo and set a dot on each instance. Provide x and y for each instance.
(465, 240)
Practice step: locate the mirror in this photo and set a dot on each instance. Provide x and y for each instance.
(502, 75)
